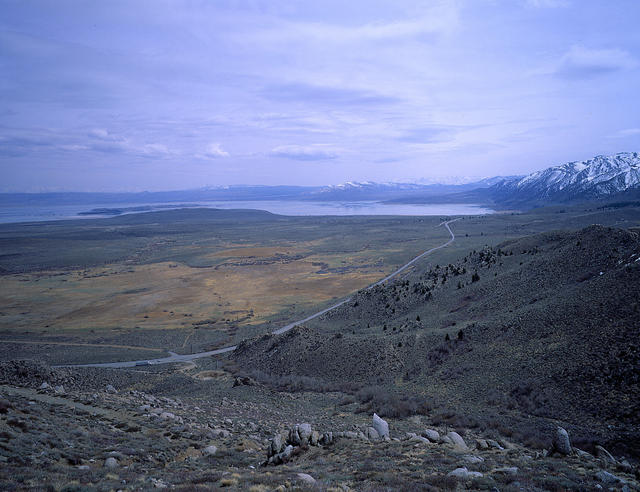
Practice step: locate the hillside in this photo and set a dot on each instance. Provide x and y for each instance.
(542, 326)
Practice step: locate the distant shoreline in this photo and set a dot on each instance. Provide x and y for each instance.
(10, 214)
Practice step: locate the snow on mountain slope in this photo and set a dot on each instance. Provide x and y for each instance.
(593, 178)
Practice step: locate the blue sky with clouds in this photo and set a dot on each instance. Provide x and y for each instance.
(134, 95)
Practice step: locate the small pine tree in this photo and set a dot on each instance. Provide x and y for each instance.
(418, 318)
(447, 338)
(475, 277)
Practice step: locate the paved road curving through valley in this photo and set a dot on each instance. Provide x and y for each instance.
(173, 357)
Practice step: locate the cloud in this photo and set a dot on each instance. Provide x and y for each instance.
(215, 151)
(627, 132)
(584, 63)
(326, 94)
(428, 134)
(101, 140)
(155, 150)
(435, 18)
(547, 3)
(304, 153)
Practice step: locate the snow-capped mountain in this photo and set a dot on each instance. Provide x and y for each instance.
(593, 178)
(371, 185)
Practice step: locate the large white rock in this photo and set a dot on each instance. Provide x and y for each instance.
(457, 440)
(306, 479)
(431, 434)
(372, 434)
(304, 431)
(210, 450)
(381, 426)
(464, 474)
(111, 462)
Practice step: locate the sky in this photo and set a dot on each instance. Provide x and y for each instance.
(160, 95)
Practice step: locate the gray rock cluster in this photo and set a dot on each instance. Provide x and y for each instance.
(281, 446)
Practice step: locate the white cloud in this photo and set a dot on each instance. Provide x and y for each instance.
(547, 3)
(580, 62)
(627, 132)
(155, 150)
(304, 153)
(215, 151)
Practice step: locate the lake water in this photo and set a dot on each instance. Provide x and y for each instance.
(281, 207)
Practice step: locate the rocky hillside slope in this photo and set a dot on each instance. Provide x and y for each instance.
(92, 436)
(544, 326)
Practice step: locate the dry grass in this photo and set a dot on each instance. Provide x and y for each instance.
(172, 295)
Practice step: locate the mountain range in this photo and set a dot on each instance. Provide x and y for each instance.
(594, 178)
(601, 177)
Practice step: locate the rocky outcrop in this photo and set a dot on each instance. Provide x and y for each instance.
(381, 426)
(561, 442)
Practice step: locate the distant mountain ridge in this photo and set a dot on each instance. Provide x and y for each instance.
(349, 191)
(593, 178)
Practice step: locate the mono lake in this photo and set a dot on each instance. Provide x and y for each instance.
(13, 214)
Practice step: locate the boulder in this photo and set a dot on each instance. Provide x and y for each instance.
(210, 450)
(561, 442)
(607, 478)
(277, 445)
(286, 454)
(464, 474)
(111, 462)
(294, 437)
(432, 435)
(372, 434)
(306, 479)
(110, 389)
(582, 454)
(494, 444)
(282, 457)
(327, 438)
(482, 444)
(457, 440)
(381, 426)
(605, 455)
(217, 432)
(59, 390)
(412, 436)
(625, 466)
(472, 459)
(315, 438)
(506, 470)
(304, 432)
(44, 386)
(144, 408)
